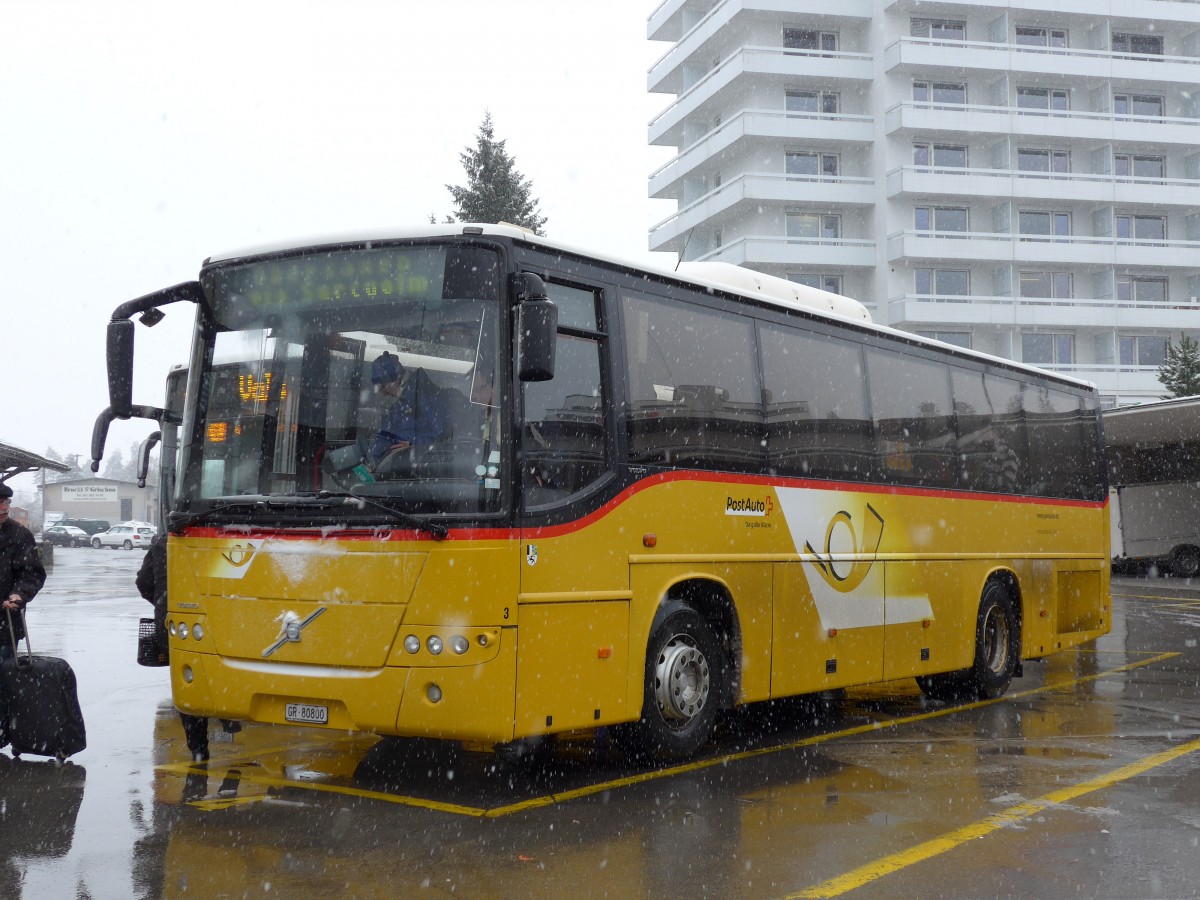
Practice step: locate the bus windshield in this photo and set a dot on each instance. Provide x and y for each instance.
(369, 372)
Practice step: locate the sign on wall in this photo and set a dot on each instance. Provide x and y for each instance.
(89, 493)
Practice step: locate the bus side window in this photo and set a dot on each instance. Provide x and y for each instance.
(694, 396)
(564, 445)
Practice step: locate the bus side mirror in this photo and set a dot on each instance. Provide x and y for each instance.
(120, 368)
(537, 329)
(144, 450)
(99, 436)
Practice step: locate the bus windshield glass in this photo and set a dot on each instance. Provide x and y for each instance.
(369, 371)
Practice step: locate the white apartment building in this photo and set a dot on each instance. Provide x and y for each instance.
(1019, 177)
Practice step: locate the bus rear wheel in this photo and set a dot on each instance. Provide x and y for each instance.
(684, 680)
(997, 653)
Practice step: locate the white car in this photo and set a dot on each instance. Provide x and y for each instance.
(127, 536)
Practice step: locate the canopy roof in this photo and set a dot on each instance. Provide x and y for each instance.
(1153, 424)
(15, 461)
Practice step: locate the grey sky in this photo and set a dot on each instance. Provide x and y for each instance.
(141, 137)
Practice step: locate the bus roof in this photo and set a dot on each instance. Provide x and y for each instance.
(712, 276)
(1153, 424)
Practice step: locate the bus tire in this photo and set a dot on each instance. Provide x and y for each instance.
(1185, 561)
(684, 681)
(997, 653)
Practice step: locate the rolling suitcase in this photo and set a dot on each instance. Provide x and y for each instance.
(43, 705)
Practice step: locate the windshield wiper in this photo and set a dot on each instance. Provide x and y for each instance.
(317, 500)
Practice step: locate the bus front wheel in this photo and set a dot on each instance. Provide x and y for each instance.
(684, 681)
(1185, 562)
(997, 653)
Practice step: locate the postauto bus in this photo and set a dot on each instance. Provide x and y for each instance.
(649, 496)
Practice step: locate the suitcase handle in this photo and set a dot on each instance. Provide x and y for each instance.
(13, 636)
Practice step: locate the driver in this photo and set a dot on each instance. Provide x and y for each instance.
(418, 414)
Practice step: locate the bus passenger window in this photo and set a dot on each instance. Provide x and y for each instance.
(693, 394)
(914, 421)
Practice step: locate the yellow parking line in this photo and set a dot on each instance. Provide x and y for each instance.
(642, 777)
(886, 865)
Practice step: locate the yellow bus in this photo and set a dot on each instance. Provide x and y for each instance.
(642, 497)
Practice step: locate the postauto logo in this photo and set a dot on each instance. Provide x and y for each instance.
(749, 506)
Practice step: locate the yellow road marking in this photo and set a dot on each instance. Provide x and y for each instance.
(886, 865)
(642, 777)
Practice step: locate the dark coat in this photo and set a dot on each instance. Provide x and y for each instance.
(21, 572)
(151, 578)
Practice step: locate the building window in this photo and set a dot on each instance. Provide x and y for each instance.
(939, 29)
(814, 226)
(1047, 285)
(1141, 228)
(803, 39)
(1048, 349)
(1139, 105)
(957, 338)
(1037, 159)
(1130, 165)
(1141, 349)
(946, 156)
(939, 92)
(813, 103)
(1032, 36)
(940, 218)
(1140, 44)
(1039, 222)
(811, 164)
(1053, 99)
(1141, 288)
(943, 282)
(831, 283)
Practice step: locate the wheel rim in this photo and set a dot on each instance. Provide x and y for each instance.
(682, 680)
(996, 640)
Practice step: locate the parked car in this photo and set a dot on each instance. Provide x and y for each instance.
(67, 536)
(91, 526)
(127, 536)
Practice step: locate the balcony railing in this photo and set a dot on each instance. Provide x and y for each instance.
(762, 123)
(973, 117)
(776, 248)
(1026, 58)
(771, 187)
(1089, 250)
(1058, 185)
(773, 61)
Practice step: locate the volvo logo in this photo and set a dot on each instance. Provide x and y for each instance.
(290, 626)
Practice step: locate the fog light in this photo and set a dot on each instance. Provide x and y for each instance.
(434, 693)
(197, 631)
(459, 644)
(183, 630)
(434, 644)
(412, 644)
(187, 674)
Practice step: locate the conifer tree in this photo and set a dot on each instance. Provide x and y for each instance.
(495, 191)
(1179, 371)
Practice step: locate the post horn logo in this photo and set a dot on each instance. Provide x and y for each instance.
(844, 575)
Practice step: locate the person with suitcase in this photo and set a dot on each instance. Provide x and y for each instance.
(21, 577)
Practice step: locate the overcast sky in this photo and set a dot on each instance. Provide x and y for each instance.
(141, 137)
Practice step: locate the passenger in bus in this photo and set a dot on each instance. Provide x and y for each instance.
(418, 414)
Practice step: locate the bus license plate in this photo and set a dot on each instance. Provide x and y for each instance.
(306, 713)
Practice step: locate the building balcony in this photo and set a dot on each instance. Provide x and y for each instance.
(1069, 186)
(968, 118)
(764, 189)
(676, 20)
(777, 250)
(1160, 10)
(929, 54)
(914, 311)
(755, 124)
(772, 62)
(1029, 248)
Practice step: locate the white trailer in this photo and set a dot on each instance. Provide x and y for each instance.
(1154, 467)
